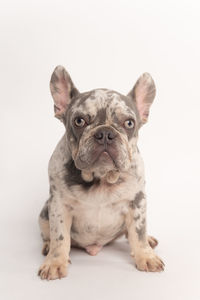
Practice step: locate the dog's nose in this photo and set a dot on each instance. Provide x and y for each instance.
(105, 136)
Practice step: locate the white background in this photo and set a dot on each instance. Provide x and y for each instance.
(101, 44)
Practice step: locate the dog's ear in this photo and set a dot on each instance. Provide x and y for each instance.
(143, 94)
(62, 90)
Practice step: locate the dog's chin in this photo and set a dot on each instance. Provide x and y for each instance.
(104, 159)
(103, 167)
(100, 160)
(97, 160)
(103, 164)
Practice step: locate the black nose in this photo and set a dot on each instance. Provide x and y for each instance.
(105, 136)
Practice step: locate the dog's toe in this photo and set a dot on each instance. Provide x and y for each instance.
(53, 269)
(149, 262)
(153, 242)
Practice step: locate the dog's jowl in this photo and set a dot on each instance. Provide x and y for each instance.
(96, 175)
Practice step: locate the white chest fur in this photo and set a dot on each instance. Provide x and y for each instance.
(99, 213)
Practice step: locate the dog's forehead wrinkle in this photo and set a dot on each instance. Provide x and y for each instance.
(102, 101)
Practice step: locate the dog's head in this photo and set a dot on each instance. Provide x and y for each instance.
(101, 125)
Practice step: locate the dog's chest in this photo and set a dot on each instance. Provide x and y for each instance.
(99, 214)
(97, 223)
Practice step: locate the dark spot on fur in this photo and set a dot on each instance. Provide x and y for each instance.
(61, 237)
(136, 202)
(73, 177)
(101, 116)
(61, 221)
(141, 232)
(45, 249)
(45, 212)
(138, 197)
(74, 229)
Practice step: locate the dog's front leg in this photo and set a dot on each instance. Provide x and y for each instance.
(144, 255)
(57, 260)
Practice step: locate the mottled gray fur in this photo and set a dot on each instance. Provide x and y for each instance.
(96, 174)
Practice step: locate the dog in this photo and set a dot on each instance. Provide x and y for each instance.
(96, 175)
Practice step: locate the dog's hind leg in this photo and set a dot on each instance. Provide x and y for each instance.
(44, 228)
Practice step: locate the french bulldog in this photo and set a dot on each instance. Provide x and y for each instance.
(96, 175)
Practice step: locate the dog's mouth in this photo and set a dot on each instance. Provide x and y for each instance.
(105, 156)
(101, 155)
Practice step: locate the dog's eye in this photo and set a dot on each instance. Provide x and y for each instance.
(129, 124)
(79, 122)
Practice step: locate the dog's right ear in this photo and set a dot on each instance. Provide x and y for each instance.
(62, 90)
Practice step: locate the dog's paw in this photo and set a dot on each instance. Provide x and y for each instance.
(148, 261)
(53, 269)
(153, 242)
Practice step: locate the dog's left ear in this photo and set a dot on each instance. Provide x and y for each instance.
(143, 94)
(62, 90)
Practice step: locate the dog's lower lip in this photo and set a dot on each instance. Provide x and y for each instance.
(106, 154)
(105, 151)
